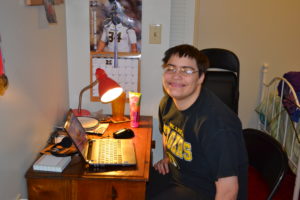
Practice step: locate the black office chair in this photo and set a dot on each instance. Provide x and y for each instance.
(223, 75)
(267, 157)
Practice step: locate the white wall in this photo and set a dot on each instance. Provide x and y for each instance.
(182, 22)
(37, 96)
(258, 32)
(154, 12)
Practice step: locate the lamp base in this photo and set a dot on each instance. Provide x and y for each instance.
(118, 107)
(120, 119)
(83, 112)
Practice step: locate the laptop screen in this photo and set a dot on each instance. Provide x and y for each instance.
(76, 132)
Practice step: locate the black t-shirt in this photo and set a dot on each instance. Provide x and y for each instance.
(204, 143)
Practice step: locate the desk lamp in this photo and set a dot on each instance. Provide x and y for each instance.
(109, 90)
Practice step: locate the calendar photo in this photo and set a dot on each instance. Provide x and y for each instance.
(115, 25)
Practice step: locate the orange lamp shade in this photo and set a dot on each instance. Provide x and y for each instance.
(109, 89)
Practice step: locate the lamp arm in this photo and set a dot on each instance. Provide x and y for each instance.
(83, 90)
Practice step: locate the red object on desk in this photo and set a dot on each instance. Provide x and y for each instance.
(82, 113)
(108, 91)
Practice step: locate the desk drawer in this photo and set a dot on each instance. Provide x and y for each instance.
(109, 190)
(44, 189)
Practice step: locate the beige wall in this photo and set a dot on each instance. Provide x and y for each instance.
(37, 96)
(258, 32)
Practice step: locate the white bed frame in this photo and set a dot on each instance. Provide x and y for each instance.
(283, 127)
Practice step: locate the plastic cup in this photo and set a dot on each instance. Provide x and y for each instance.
(118, 107)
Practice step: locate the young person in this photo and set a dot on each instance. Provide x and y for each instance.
(204, 151)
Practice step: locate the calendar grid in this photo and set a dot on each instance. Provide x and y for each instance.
(126, 73)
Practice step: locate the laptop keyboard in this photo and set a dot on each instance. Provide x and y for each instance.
(109, 151)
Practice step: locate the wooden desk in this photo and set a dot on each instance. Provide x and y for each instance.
(75, 182)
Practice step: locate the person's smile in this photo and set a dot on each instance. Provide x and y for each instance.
(176, 85)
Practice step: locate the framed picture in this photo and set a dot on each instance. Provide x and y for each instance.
(115, 25)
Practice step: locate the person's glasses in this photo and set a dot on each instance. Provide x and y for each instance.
(184, 70)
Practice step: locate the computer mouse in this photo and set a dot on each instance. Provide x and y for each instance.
(123, 133)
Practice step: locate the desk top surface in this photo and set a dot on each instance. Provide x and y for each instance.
(77, 168)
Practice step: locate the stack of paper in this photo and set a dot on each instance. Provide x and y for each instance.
(51, 163)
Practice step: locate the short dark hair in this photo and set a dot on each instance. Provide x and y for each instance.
(186, 50)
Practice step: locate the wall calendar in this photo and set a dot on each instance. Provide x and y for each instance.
(126, 72)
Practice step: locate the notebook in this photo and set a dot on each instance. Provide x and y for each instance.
(100, 152)
(51, 163)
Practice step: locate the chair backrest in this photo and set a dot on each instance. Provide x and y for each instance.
(267, 156)
(223, 75)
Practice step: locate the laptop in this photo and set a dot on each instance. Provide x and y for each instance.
(100, 152)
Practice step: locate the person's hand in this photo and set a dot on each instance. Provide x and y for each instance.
(162, 166)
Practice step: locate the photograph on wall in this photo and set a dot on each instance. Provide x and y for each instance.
(115, 25)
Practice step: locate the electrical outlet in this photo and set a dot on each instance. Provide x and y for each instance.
(155, 34)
